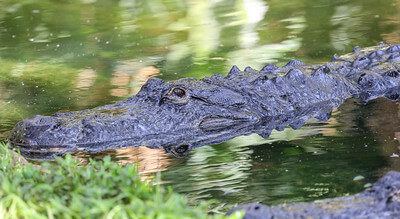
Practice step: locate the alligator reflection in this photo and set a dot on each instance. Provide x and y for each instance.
(148, 160)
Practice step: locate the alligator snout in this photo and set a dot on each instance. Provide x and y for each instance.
(29, 130)
(39, 120)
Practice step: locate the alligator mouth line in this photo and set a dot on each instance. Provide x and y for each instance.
(218, 123)
(46, 152)
(89, 147)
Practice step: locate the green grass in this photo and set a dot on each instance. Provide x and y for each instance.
(102, 189)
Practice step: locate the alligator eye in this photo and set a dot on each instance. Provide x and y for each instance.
(176, 95)
(177, 91)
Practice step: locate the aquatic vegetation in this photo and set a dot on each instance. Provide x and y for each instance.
(100, 189)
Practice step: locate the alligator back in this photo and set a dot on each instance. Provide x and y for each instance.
(296, 92)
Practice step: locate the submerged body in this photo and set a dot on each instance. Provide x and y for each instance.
(380, 201)
(187, 113)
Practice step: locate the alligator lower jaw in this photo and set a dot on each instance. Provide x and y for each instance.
(47, 152)
(42, 152)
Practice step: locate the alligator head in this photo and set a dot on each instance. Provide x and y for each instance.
(177, 116)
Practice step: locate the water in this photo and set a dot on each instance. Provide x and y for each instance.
(63, 56)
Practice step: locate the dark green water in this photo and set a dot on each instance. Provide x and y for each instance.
(58, 56)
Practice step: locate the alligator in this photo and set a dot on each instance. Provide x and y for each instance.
(187, 113)
(382, 200)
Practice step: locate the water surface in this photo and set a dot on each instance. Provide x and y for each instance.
(58, 56)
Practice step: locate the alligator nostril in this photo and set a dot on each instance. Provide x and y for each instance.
(42, 120)
(30, 130)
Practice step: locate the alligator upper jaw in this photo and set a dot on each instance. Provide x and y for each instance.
(119, 125)
(179, 143)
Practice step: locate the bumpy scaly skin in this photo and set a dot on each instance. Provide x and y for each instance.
(187, 113)
(380, 201)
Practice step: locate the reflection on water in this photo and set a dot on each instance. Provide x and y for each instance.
(60, 56)
(149, 161)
